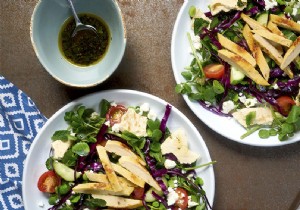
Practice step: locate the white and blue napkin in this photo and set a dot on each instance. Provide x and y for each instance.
(20, 120)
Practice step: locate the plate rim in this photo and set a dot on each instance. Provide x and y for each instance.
(161, 101)
(176, 73)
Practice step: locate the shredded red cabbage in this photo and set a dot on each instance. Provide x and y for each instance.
(160, 199)
(61, 201)
(163, 123)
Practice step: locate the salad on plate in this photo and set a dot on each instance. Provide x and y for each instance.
(122, 158)
(246, 64)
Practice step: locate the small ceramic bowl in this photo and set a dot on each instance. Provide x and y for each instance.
(46, 22)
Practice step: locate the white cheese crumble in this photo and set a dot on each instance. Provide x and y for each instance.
(270, 4)
(227, 106)
(68, 202)
(113, 104)
(41, 204)
(107, 123)
(152, 115)
(169, 164)
(248, 102)
(275, 86)
(191, 203)
(145, 107)
(172, 196)
(116, 128)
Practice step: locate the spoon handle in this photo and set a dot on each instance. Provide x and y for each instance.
(77, 20)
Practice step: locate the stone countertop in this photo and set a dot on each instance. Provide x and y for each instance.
(247, 178)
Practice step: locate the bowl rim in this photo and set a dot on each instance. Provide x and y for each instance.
(37, 5)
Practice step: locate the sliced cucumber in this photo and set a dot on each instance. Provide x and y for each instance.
(149, 197)
(65, 172)
(236, 75)
(263, 18)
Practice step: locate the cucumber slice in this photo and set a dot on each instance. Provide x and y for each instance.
(236, 75)
(263, 18)
(149, 197)
(65, 172)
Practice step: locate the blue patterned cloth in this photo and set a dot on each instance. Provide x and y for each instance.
(20, 121)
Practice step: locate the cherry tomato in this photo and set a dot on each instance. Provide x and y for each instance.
(285, 104)
(182, 201)
(214, 71)
(48, 181)
(115, 113)
(138, 193)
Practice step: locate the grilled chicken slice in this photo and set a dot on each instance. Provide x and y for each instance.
(272, 52)
(285, 23)
(252, 23)
(121, 149)
(111, 175)
(128, 175)
(273, 37)
(291, 54)
(257, 53)
(240, 63)
(119, 202)
(229, 45)
(177, 144)
(98, 177)
(134, 167)
(263, 116)
(273, 27)
(102, 188)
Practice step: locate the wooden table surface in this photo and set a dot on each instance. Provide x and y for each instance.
(247, 178)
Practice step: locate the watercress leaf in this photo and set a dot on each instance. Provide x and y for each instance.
(187, 75)
(209, 94)
(199, 24)
(153, 124)
(81, 149)
(179, 88)
(103, 107)
(63, 135)
(294, 115)
(156, 135)
(218, 87)
(287, 128)
(69, 158)
(155, 146)
(195, 96)
(157, 155)
(250, 118)
(187, 88)
(49, 163)
(94, 203)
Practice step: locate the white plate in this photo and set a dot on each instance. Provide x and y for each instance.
(39, 151)
(181, 57)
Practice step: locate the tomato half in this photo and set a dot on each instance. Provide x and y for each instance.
(115, 113)
(182, 201)
(138, 193)
(285, 104)
(48, 181)
(214, 71)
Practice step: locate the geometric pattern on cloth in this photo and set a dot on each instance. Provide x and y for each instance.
(20, 121)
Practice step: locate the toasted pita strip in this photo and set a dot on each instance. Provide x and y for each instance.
(128, 175)
(121, 149)
(272, 52)
(252, 23)
(133, 166)
(230, 45)
(237, 61)
(248, 37)
(273, 37)
(273, 27)
(111, 175)
(285, 23)
(291, 54)
(102, 188)
(119, 202)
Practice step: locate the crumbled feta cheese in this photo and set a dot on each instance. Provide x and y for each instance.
(196, 41)
(227, 106)
(113, 104)
(248, 102)
(169, 164)
(94, 114)
(152, 115)
(295, 10)
(270, 4)
(172, 196)
(191, 203)
(275, 86)
(41, 204)
(116, 128)
(145, 107)
(107, 123)
(68, 202)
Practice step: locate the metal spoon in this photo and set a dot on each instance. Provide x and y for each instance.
(79, 25)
